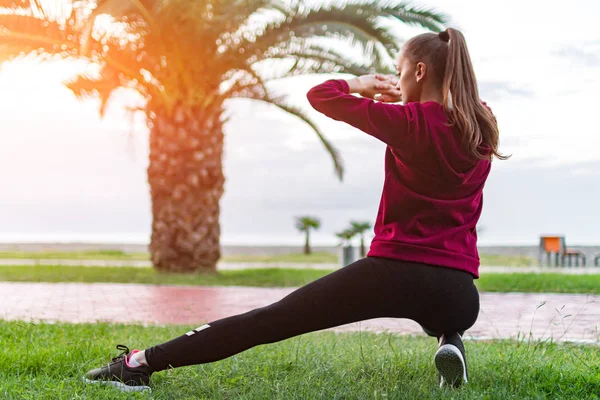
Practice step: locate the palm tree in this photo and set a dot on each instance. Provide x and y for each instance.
(346, 235)
(360, 228)
(305, 224)
(347, 254)
(187, 59)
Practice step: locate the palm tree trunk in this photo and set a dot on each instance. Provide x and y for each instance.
(307, 243)
(186, 184)
(362, 245)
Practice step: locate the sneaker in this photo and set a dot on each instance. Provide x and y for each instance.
(451, 362)
(120, 374)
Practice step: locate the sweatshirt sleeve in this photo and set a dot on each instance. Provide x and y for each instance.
(387, 122)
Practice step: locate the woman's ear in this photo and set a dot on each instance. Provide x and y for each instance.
(420, 71)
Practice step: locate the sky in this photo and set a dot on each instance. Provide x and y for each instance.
(67, 175)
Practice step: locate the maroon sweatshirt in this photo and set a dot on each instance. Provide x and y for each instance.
(433, 190)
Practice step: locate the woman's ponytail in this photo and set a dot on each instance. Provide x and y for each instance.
(461, 98)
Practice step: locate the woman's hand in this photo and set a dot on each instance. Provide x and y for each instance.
(393, 94)
(376, 87)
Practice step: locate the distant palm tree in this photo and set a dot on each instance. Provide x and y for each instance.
(346, 235)
(187, 59)
(360, 228)
(305, 224)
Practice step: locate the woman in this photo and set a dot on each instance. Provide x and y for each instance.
(423, 259)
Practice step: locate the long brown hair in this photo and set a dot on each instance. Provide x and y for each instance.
(447, 58)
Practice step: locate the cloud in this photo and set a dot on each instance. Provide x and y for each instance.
(524, 199)
(496, 90)
(69, 171)
(270, 179)
(587, 54)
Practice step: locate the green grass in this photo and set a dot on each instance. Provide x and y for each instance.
(486, 259)
(117, 255)
(47, 361)
(506, 261)
(540, 283)
(319, 257)
(267, 277)
(281, 277)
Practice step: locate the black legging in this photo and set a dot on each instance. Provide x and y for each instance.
(442, 300)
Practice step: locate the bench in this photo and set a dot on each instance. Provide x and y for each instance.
(555, 247)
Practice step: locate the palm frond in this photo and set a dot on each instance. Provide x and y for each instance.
(22, 35)
(335, 156)
(114, 8)
(399, 11)
(238, 89)
(158, 21)
(119, 68)
(306, 222)
(346, 235)
(310, 63)
(360, 227)
(102, 87)
(313, 57)
(12, 4)
(361, 23)
(45, 29)
(335, 23)
(244, 82)
(238, 14)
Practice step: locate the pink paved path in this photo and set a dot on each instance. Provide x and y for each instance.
(502, 315)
